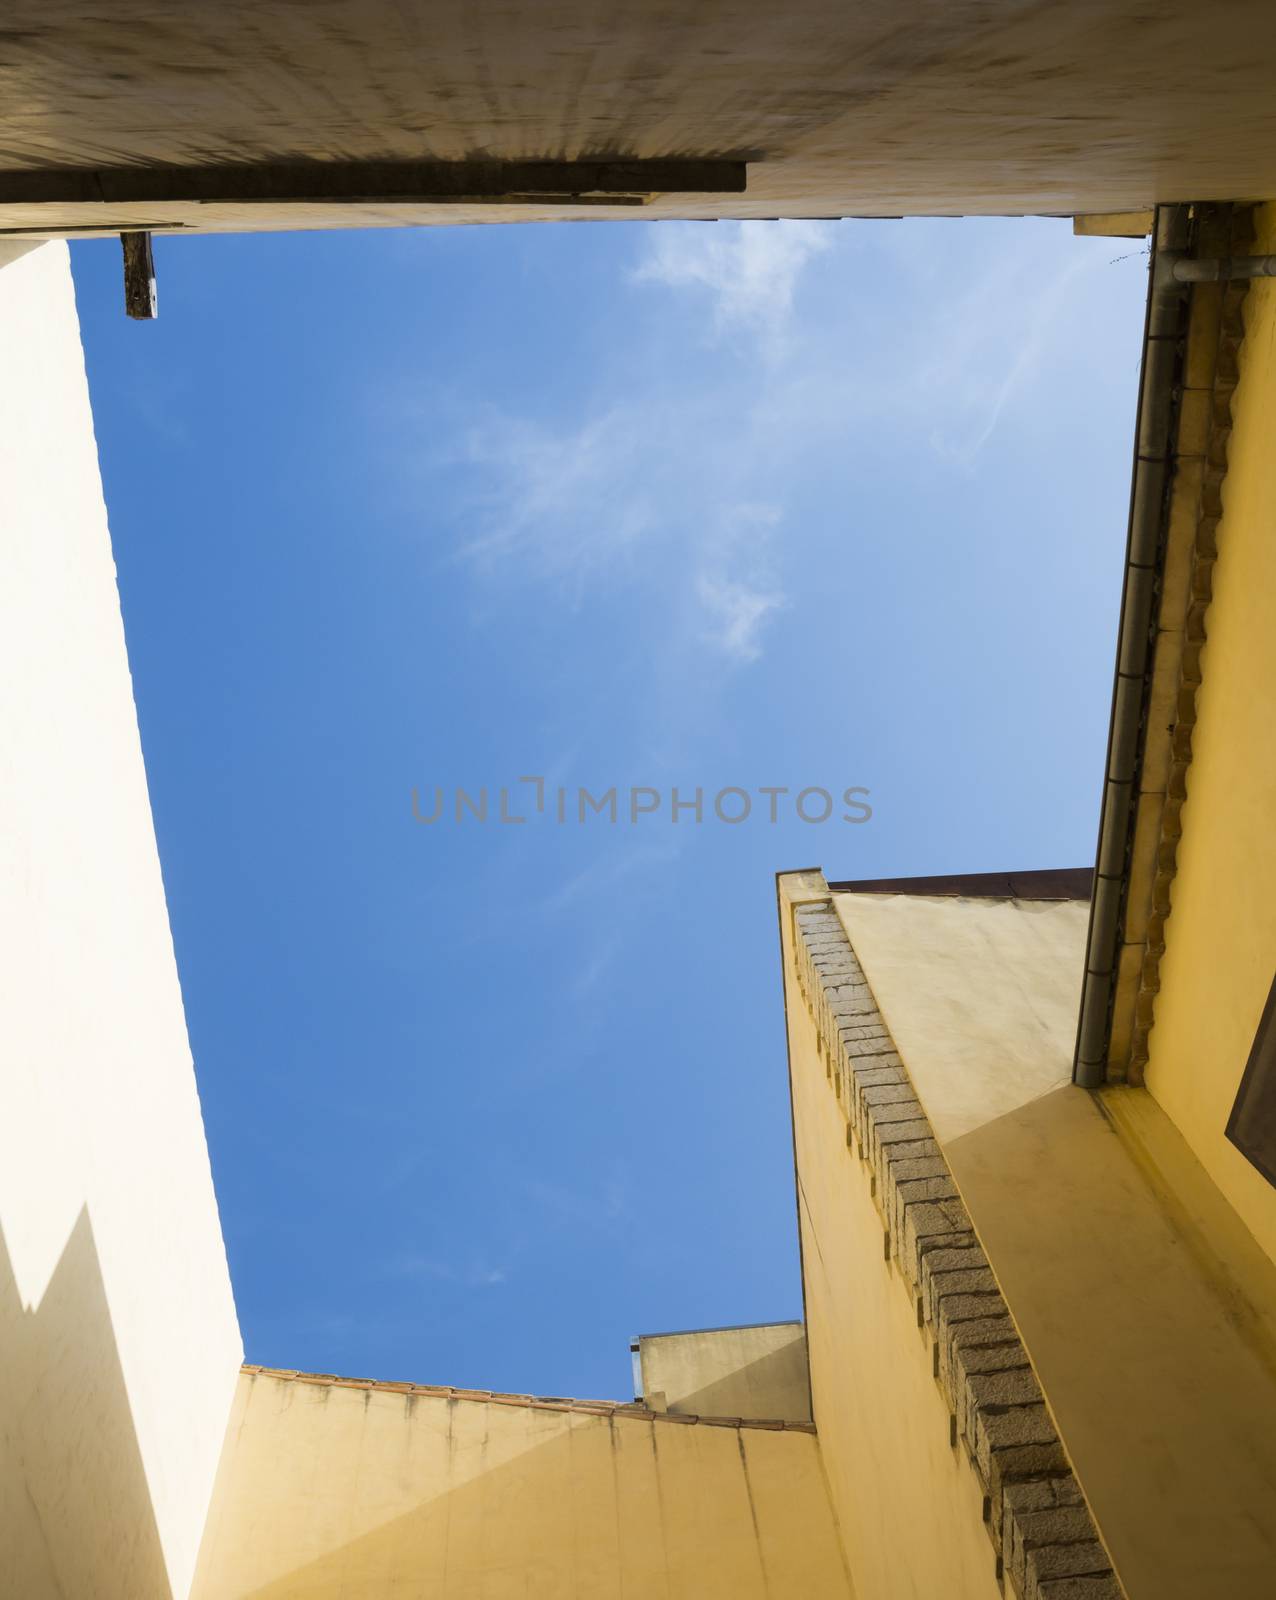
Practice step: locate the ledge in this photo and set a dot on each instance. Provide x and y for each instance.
(1044, 1538)
(596, 1408)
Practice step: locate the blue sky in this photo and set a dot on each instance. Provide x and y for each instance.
(796, 505)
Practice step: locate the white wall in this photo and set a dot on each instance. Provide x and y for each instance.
(119, 1346)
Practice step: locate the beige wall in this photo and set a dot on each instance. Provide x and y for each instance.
(118, 1339)
(728, 1372)
(970, 106)
(362, 1490)
(909, 1503)
(1220, 937)
(994, 1022)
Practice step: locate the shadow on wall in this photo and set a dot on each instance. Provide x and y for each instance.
(529, 1523)
(331, 1490)
(76, 1521)
(775, 1385)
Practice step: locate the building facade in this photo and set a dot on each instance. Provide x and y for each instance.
(1033, 1116)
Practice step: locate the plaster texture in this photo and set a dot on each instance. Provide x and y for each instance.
(119, 1347)
(728, 1372)
(909, 1505)
(342, 1488)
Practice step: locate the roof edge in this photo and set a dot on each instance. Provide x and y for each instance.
(597, 1408)
(1049, 883)
(726, 1327)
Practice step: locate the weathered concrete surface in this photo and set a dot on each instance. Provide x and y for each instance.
(936, 106)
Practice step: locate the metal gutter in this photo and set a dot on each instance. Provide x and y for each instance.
(1151, 478)
(1211, 375)
(1193, 328)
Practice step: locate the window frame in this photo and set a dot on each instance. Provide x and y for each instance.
(1256, 1088)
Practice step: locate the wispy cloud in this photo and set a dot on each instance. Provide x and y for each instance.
(653, 492)
(736, 614)
(677, 497)
(997, 342)
(625, 499)
(749, 270)
(477, 1275)
(596, 1208)
(938, 364)
(568, 501)
(735, 584)
(605, 874)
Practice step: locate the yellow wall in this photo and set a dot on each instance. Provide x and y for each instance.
(908, 1503)
(1148, 1313)
(728, 1372)
(1147, 1309)
(333, 1490)
(993, 1025)
(1220, 952)
(119, 1348)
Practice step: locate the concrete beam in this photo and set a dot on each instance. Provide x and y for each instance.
(374, 182)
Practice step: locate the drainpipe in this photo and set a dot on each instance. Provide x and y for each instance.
(1155, 430)
(1184, 269)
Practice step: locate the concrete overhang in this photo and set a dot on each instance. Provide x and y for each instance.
(975, 106)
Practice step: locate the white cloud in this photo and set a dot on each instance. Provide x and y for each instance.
(568, 501)
(972, 318)
(636, 495)
(736, 613)
(749, 269)
(997, 341)
(671, 495)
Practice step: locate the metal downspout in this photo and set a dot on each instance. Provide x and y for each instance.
(1153, 471)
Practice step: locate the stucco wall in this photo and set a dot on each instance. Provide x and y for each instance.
(356, 1489)
(1148, 1312)
(728, 1372)
(991, 1024)
(909, 1505)
(1146, 1307)
(1220, 937)
(118, 1340)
